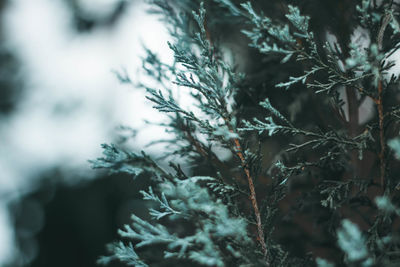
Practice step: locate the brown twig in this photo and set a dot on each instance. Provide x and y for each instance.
(379, 102)
(260, 231)
(381, 155)
(253, 197)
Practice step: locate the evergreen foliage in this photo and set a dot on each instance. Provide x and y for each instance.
(328, 195)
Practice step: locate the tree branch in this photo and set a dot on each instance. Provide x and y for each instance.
(381, 155)
(253, 197)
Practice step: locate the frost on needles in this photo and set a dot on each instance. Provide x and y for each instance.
(307, 182)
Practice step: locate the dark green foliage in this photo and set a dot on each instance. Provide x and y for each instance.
(308, 183)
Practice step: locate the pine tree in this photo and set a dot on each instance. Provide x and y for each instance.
(311, 180)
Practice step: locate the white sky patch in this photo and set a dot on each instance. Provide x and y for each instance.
(361, 39)
(395, 70)
(72, 101)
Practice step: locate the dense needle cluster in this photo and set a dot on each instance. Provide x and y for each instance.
(307, 183)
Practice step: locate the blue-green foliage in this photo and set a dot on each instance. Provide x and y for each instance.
(353, 243)
(118, 160)
(384, 204)
(210, 80)
(297, 40)
(165, 208)
(395, 145)
(219, 235)
(215, 229)
(323, 263)
(268, 125)
(210, 221)
(122, 252)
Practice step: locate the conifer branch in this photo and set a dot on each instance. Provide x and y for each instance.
(239, 153)
(379, 103)
(253, 197)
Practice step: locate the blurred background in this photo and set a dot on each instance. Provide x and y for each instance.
(59, 100)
